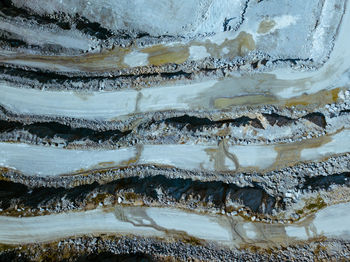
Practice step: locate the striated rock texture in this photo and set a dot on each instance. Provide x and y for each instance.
(166, 130)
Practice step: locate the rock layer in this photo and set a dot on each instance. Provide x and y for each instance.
(181, 130)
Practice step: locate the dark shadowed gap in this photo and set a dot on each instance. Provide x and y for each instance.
(50, 77)
(70, 134)
(317, 118)
(195, 123)
(324, 182)
(216, 192)
(60, 19)
(279, 120)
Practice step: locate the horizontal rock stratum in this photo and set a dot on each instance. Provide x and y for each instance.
(168, 130)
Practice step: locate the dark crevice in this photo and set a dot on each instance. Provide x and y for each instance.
(179, 73)
(226, 25)
(243, 13)
(110, 257)
(294, 61)
(195, 123)
(317, 118)
(81, 23)
(69, 21)
(49, 130)
(255, 65)
(48, 77)
(279, 120)
(14, 256)
(264, 61)
(15, 43)
(325, 182)
(142, 34)
(344, 112)
(216, 194)
(90, 28)
(190, 120)
(95, 256)
(69, 134)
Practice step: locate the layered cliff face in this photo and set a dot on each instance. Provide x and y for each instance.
(174, 130)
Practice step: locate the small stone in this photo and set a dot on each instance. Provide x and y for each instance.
(289, 195)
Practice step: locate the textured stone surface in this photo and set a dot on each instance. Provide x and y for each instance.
(174, 130)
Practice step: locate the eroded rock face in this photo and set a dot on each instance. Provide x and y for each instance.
(181, 130)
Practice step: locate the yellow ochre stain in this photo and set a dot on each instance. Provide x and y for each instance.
(105, 60)
(319, 98)
(238, 46)
(106, 164)
(219, 154)
(311, 205)
(221, 103)
(322, 97)
(160, 54)
(157, 54)
(266, 26)
(224, 132)
(289, 154)
(134, 160)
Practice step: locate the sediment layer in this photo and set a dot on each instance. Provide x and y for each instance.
(220, 135)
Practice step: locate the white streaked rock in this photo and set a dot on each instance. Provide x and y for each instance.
(169, 222)
(282, 84)
(51, 161)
